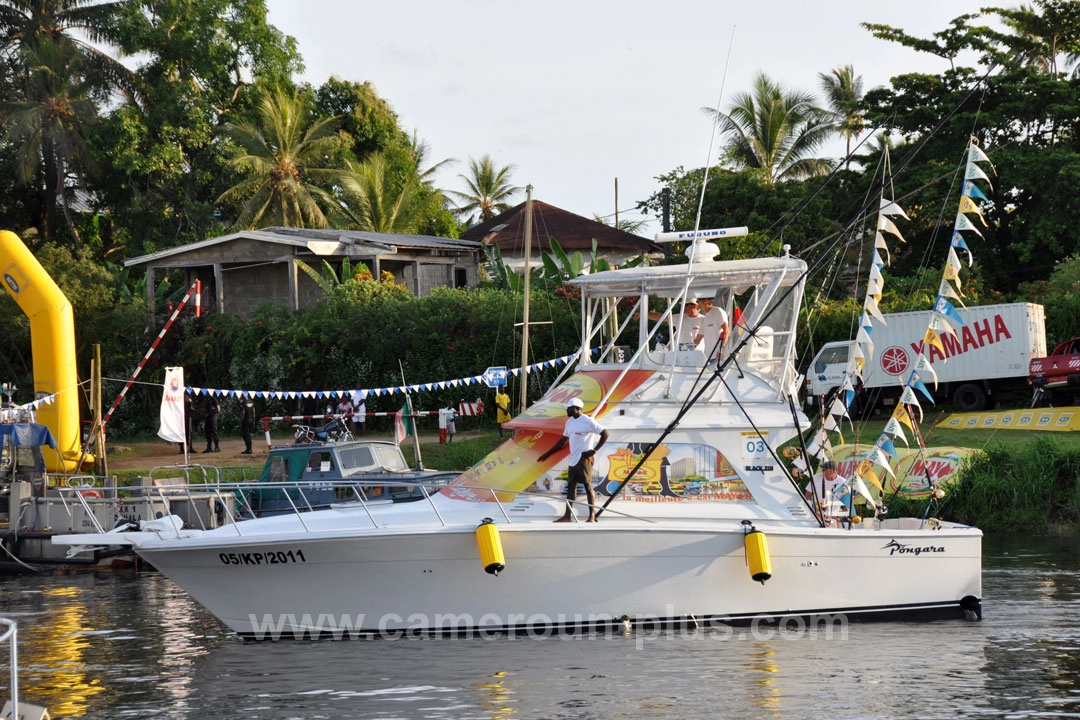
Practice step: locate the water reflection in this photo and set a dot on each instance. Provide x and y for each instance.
(108, 646)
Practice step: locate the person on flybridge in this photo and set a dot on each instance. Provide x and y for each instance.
(579, 430)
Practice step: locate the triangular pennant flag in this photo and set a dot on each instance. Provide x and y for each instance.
(872, 308)
(972, 190)
(878, 457)
(959, 242)
(947, 290)
(974, 172)
(908, 398)
(977, 155)
(943, 306)
(962, 223)
(879, 244)
(894, 428)
(914, 381)
(901, 414)
(869, 474)
(953, 259)
(923, 365)
(931, 338)
(968, 205)
(888, 226)
(889, 207)
(887, 445)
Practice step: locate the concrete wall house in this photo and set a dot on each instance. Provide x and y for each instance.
(241, 270)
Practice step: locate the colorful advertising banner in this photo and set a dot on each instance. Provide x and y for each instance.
(674, 472)
(912, 470)
(1064, 419)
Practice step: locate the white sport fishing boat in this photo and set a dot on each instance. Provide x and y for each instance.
(701, 524)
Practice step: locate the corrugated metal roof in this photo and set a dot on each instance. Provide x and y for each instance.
(377, 243)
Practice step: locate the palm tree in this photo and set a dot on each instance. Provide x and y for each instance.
(374, 202)
(489, 190)
(776, 131)
(1039, 39)
(419, 150)
(843, 91)
(49, 129)
(26, 24)
(281, 157)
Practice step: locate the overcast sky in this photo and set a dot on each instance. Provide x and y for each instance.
(577, 94)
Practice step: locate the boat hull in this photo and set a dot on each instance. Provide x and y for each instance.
(570, 577)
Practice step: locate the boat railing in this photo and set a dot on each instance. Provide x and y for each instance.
(232, 504)
(10, 634)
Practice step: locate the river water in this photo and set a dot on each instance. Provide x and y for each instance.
(108, 645)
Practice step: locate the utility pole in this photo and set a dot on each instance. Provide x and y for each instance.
(525, 314)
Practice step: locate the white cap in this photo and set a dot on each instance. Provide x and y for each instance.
(690, 300)
(575, 402)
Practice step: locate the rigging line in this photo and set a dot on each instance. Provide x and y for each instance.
(907, 159)
(806, 454)
(794, 213)
(677, 327)
(712, 135)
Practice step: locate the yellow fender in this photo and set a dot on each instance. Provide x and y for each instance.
(490, 545)
(52, 340)
(757, 555)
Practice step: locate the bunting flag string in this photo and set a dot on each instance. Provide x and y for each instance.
(861, 355)
(943, 318)
(377, 392)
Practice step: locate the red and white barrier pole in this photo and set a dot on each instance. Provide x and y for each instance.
(142, 363)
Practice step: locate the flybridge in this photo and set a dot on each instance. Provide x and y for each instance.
(972, 336)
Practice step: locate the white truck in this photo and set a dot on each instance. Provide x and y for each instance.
(985, 363)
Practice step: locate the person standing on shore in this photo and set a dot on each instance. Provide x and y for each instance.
(502, 408)
(213, 412)
(359, 404)
(247, 423)
(189, 420)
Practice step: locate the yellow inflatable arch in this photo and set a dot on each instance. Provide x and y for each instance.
(52, 339)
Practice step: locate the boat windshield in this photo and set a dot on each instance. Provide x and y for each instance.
(370, 458)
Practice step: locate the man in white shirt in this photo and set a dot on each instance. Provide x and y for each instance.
(579, 430)
(359, 404)
(690, 325)
(834, 492)
(714, 328)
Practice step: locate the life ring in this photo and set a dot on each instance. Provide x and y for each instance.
(89, 493)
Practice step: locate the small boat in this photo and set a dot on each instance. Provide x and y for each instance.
(315, 475)
(37, 505)
(701, 522)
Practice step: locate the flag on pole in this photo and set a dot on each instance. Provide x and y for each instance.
(172, 407)
(403, 425)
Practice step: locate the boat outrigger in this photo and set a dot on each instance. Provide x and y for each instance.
(703, 525)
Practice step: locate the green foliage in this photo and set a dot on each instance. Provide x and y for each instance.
(1060, 295)
(1029, 487)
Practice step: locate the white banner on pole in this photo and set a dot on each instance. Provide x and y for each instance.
(172, 407)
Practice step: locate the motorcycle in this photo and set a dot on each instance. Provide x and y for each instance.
(337, 430)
